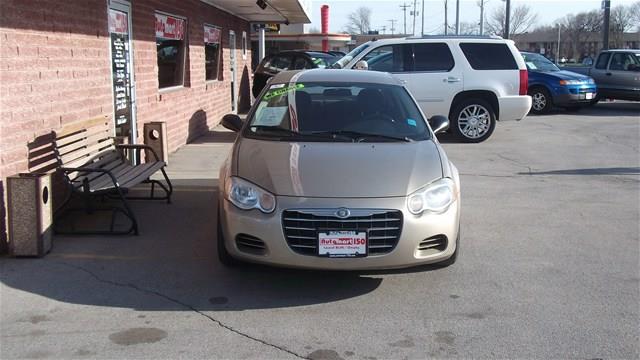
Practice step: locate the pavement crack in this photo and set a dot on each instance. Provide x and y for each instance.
(514, 161)
(185, 305)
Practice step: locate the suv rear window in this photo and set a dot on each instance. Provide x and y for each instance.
(485, 56)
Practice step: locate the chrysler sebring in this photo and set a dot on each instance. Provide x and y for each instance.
(337, 169)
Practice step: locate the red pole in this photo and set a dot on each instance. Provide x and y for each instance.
(324, 13)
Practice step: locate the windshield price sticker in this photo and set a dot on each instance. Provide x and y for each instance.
(282, 91)
(342, 243)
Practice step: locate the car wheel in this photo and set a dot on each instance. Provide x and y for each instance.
(473, 120)
(541, 102)
(452, 260)
(223, 255)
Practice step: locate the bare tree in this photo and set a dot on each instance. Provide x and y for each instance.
(622, 20)
(635, 12)
(578, 27)
(359, 21)
(522, 19)
(469, 28)
(314, 30)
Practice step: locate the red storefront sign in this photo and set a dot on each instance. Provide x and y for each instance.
(211, 35)
(169, 27)
(118, 22)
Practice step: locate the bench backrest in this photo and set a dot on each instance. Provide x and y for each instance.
(86, 144)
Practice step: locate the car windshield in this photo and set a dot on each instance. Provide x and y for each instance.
(319, 111)
(353, 53)
(538, 62)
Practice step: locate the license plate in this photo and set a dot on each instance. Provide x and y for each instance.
(342, 243)
(589, 96)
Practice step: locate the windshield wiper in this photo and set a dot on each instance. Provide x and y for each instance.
(359, 136)
(276, 130)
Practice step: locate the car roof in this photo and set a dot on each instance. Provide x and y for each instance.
(622, 50)
(441, 38)
(336, 75)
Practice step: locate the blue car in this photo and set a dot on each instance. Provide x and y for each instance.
(549, 86)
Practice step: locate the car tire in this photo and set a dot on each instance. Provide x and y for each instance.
(473, 120)
(453, 258)
(223, 255)
(541, 102)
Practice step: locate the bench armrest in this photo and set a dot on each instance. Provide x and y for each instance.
(138, 147)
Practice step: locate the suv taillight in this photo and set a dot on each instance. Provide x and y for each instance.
(524, 81)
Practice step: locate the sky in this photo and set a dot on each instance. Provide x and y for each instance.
(383, 10)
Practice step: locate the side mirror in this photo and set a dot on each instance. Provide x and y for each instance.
(439, 124)
(232, 122)
(361, 65)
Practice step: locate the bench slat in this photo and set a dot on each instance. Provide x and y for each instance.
(88, 152)
(103, 131)
(127, 177)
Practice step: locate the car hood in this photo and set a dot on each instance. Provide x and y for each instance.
(330, 169)
(563, 75)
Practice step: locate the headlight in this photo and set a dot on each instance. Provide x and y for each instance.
(247, 196)
(571, 82)
(435, 197)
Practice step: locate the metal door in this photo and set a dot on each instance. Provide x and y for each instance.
(232, 65)
(123, 83)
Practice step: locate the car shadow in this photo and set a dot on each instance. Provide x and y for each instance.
(172, 265)
(591, 171)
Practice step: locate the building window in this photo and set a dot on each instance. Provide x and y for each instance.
(212, 52)
(244, 45)
(170, 44)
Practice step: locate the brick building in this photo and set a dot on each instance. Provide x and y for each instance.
(184, 62)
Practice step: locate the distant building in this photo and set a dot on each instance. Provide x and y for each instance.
(546, 43)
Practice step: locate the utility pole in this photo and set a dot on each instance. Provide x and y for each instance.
(393, 25)
(404, 7)
(457, 17)
(558, 50)
(446, 23)
(414, 18)
(606, 4)
(481, 17)
(507, 19)
(422, 22)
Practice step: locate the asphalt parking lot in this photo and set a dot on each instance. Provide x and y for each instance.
(549, 268)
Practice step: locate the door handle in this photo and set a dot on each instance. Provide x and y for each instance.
(451, 80)
(608, 74)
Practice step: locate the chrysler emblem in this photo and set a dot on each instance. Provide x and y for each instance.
(343, 213)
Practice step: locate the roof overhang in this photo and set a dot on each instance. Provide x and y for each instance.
(309, 38)
(277, 11)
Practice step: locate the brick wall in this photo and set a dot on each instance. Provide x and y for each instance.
(55, 70)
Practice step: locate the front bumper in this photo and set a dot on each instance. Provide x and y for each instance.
(268, 228)
(574, 95)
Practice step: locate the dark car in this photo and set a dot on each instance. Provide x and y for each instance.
(549, 86)
(290, 60)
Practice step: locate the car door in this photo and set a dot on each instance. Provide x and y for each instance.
(621, 74)
(598, 72)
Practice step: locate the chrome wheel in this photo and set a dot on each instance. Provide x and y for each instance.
(539, 101)
(474, 121)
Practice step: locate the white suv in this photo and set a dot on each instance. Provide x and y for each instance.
(475, 80)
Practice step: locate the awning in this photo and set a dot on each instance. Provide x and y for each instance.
(276, 11)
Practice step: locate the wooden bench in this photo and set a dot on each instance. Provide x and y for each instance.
(93, 166)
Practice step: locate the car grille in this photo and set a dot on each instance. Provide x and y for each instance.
(301, 227)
